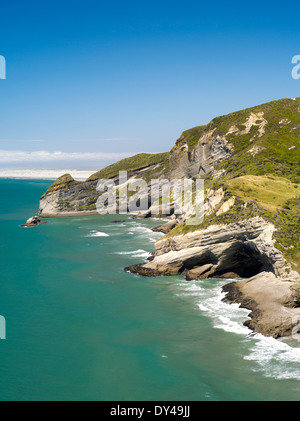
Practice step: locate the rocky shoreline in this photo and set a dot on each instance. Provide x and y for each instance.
(251, 226)
(270, 289)
(68, 214)
(240, 250)
(274, 303)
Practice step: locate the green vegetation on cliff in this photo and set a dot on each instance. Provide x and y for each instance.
(281, 207)
(265, 139)
(190, 137)
(133, 163)
(63, 182)
(269, 191)
(287, 235)
(263, 171)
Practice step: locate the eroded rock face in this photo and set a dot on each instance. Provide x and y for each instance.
(167, 227)
(242, 249)
(257, 120)
(67, 197)
(210, 150)
(69, 200)
(273, 301)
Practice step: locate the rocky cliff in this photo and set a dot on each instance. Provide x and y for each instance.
(239, 250)
(251, 229)
(258, 141)
(67, 197)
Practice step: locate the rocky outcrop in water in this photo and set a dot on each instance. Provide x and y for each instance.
(33, 221)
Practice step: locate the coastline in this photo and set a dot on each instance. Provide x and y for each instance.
(271, 298)
(273, 303)
(90, 286)
(68, 214)
(271, 294)
(40, 174)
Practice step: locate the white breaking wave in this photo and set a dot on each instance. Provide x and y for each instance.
(271, 357)
(209, 300)
(136, 253)
(114, 225)
(97, 234)
(143, 231)
(275, 358)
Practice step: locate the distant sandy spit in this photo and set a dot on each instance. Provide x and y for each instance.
(44, 174)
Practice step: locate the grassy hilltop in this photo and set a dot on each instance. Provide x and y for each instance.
(264, 171)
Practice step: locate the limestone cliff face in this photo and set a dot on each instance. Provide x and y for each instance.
(256, 141)
(241, 249)
(67, 197)
(273, 301)
(211, 149)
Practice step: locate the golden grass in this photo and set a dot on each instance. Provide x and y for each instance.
(268, 190)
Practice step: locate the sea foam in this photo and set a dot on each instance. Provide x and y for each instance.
(97, 234)
(145, 232)
(136, 253)
(274, 358)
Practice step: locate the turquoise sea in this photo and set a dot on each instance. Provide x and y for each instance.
(80, 328)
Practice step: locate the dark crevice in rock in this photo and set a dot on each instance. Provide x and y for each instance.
(200, 260)
(245, 260)
(240, 260)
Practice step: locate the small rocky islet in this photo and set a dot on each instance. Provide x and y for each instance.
(33, 222)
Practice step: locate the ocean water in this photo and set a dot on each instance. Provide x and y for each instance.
(80, 328)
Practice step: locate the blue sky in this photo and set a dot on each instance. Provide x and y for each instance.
(95, 81)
